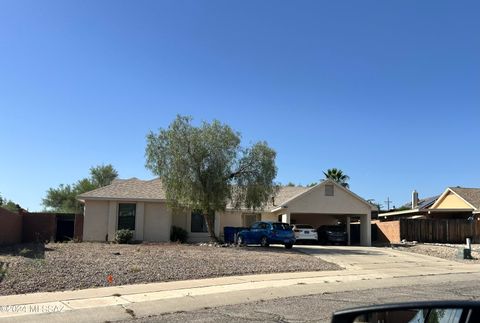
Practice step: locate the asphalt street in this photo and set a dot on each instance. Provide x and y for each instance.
(318, 308)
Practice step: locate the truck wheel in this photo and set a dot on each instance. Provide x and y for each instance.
(240, 241)
(264, 242)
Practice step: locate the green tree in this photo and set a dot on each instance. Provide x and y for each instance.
(9, 205)
(338, 176)
(64, 197)
(204, 168)
(103, 175)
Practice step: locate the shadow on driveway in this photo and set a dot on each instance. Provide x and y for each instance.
(334, 251)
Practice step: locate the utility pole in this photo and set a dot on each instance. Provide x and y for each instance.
(388, 201)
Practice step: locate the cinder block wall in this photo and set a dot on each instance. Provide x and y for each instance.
(10, 227)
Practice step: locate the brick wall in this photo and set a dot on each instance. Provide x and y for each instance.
(10, 227)
(388, 231)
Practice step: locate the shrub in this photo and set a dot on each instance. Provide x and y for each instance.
(178, 235)
(25, 252)
(124, 236)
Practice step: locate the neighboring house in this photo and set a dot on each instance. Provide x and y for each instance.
(457, 203)
(453, 203)
(416, 209)
(141, 206)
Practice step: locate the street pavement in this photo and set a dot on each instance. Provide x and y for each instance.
(367, 271)
(319, 307)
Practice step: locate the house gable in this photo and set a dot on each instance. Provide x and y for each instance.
(450, 200)
(319, 199)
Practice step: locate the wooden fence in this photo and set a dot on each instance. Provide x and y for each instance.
(441, 230)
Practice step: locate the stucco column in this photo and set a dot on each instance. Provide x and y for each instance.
(286, 218)
(349, 241)
(365, 230)
(112, 220)
(139, 221)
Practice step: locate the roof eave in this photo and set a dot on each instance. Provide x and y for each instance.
(87, 198)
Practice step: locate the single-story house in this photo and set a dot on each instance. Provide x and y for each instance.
(457, 203)
(140, 205)
(416, 209)
(453, 203)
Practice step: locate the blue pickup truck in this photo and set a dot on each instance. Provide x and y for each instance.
(265, 233)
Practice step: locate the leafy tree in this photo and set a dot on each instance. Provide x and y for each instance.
(103, 175)
(9, 205)
(338, 176)
(312, 184)
(203, 168)
(64, 197)
(290, 184)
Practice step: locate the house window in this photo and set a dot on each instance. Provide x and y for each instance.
(198, 223)
(329, 190)
(250, 218)
(126, 216)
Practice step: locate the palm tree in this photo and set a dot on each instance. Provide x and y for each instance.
(338, 176)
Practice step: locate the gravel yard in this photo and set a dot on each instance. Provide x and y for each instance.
(68, 266)
(449, 252)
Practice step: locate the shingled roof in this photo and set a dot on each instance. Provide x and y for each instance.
(471, 195)
(131, 189)
(152, 190)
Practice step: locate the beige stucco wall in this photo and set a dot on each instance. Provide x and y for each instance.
(452, 201)
(269, 217)
(95, 221)
(315, 201)
(157, 222)
(179, 218)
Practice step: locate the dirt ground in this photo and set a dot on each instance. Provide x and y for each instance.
(68, 266)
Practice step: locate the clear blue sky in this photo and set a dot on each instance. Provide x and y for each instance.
(388, 91)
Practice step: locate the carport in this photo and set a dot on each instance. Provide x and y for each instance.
(328, 204)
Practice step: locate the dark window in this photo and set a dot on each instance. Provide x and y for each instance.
(199, 223)
(126, 216)
(280, 226)
(328, 190)
(303, 226)
(256, 225)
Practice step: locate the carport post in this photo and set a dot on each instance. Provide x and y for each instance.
(286, 218)
(349, 241)
(366, 230)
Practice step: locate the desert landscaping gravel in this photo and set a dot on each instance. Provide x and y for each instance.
(68, 266)
(449, 252)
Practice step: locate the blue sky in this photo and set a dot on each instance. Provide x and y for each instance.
(388, 91)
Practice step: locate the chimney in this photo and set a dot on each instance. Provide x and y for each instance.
(414, 199)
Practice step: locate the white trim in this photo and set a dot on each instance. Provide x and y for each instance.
(400, 212)
(449, 210)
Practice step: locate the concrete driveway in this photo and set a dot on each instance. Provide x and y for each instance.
(382, 259)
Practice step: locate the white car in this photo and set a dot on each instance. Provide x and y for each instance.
(305, 232)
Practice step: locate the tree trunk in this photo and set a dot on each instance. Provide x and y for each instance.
(210, 218)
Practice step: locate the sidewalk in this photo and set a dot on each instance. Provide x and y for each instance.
(365, 268)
